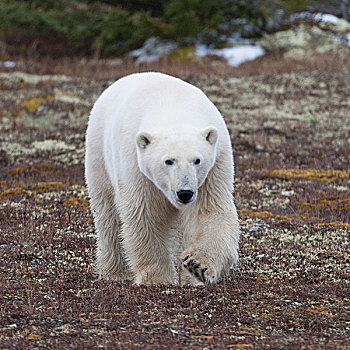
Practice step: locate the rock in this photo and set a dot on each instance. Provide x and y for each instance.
(301, 40)
(153, 49)
(298, 37)
(340, 26)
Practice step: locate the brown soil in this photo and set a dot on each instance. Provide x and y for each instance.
(291, 136)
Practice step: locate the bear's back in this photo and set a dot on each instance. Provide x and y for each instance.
(150, 102)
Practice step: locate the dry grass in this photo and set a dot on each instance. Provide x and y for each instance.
(272, 63)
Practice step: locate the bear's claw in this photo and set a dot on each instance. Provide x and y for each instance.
(194, 267)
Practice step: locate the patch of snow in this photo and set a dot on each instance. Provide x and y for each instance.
(259, 147)
(8, 64)
(291, 301)
(152, 50)
(287, 193)
(319, 17)
(327, 18)
(202, 50)
(236, 39)
(348, 38)
(234, 55)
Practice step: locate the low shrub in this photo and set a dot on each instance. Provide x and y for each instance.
(116, 27)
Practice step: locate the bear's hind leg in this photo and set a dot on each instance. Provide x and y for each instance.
(110, 262)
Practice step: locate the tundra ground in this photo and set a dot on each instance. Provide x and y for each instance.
(291, 137)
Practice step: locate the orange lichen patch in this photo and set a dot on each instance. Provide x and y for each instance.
(312, 174)
(18, 113)
(18, 171)
(104, 313)
(24, 84)
(255, 214)
(45, 186)
(326, 201)
(239, 346)
(34, 169)
(250, 165)
(318, 311)
(202, 336)
(48, 185)
(262, 215)
(12, 192)
(34, 337)
(77, 202)
(338, 204)
(35, 102)
(346, 207)
(335, 224)
(308, 205)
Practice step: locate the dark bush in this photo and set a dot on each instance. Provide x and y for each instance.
(117, 26)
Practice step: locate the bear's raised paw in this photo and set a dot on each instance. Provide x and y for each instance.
(202, 273)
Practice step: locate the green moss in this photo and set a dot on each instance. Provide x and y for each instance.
(184, 54)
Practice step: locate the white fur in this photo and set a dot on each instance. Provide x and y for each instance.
(143, 231)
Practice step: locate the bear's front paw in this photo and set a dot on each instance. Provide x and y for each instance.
(203, 272)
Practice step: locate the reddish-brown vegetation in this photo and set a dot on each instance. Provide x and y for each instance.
(290, 133)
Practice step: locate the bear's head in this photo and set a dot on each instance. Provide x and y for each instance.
(177, 162)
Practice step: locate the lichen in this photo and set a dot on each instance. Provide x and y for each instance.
(294, 264)
(78, 202)
(335, 224)
(263, 215)
(312, 174)
(21, 77)
(33, 169)
(35, 102)
(48, 185)
(338, 204)
(52, 145)
(12, 192)
(301, 41)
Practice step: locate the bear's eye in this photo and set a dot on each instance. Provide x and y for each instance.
(169, 162)
(197, 161)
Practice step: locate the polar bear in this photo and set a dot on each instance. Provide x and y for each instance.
(159, 172)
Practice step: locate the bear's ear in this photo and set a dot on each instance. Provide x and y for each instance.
(143, 139)
(210, 134)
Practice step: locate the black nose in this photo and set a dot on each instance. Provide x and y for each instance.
(184, 195)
